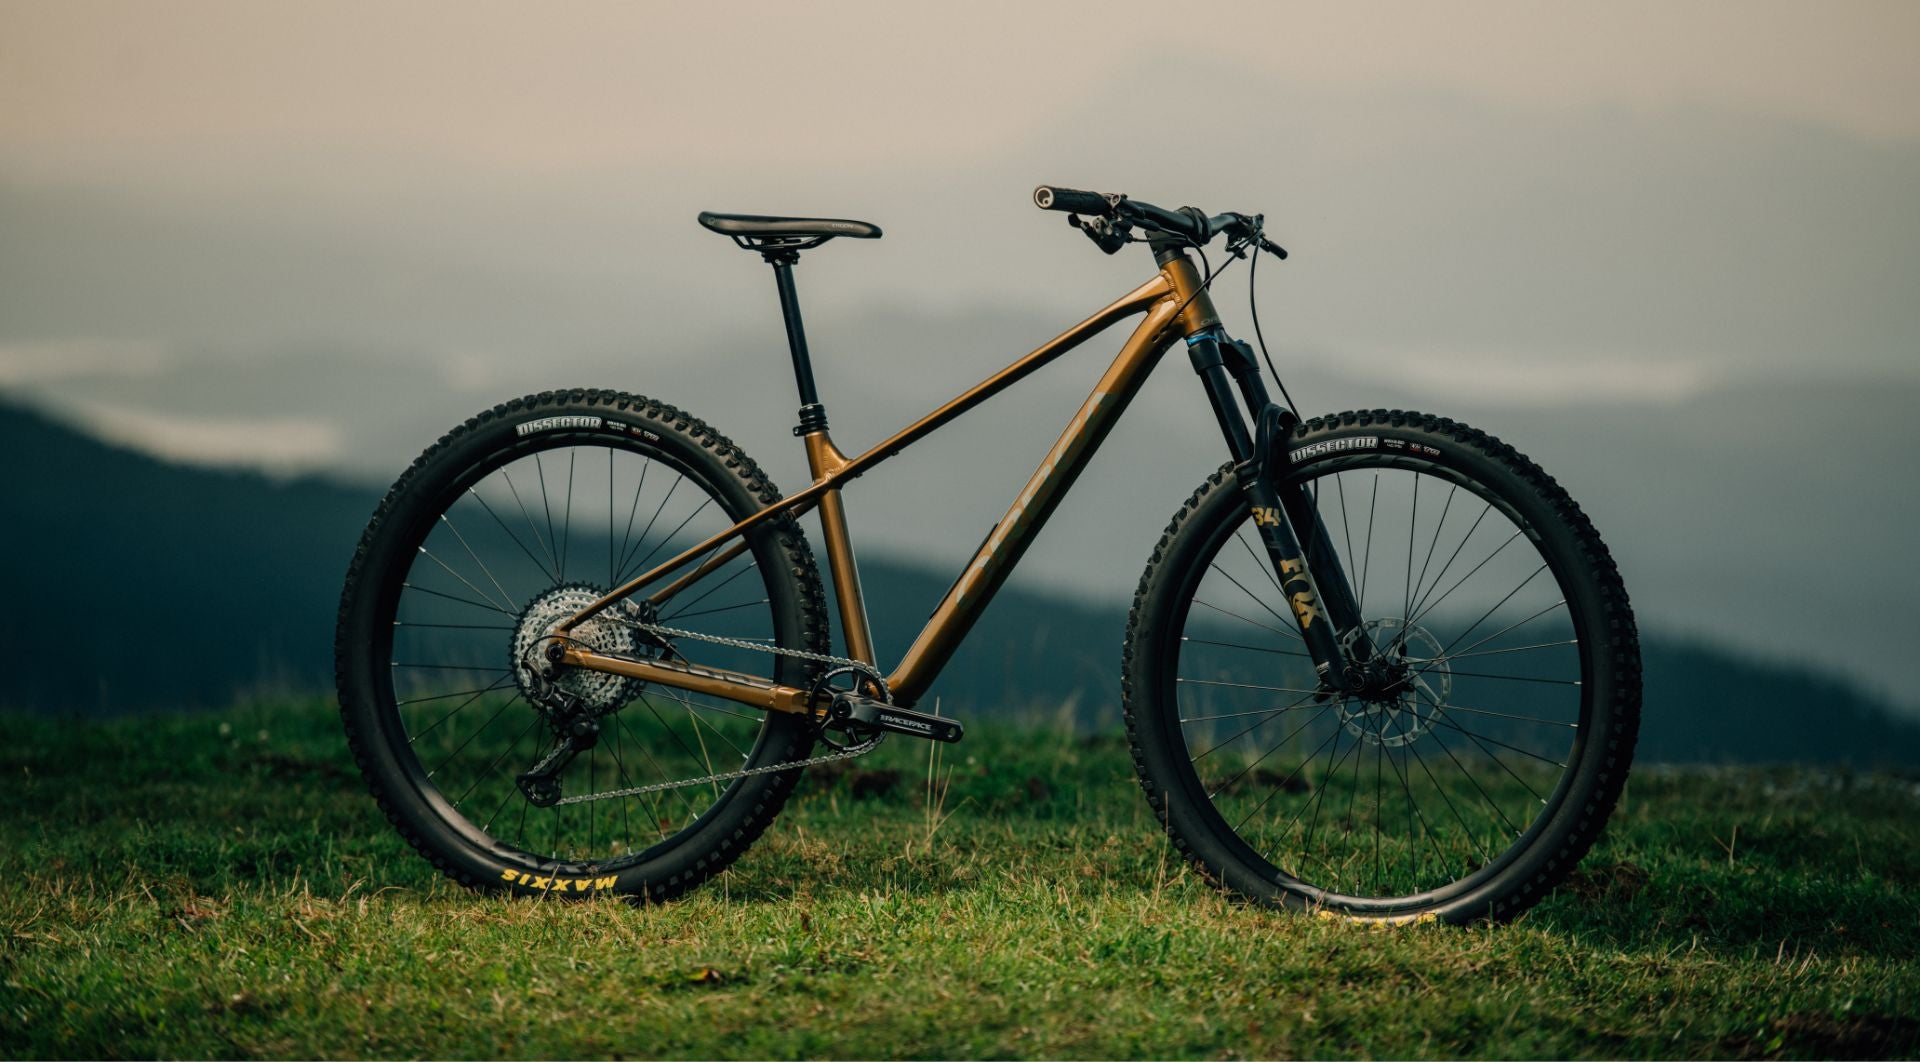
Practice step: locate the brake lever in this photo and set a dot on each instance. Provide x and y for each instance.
(1108, 234)
(1250, 232)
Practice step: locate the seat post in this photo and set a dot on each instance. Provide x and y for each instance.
(813, 415)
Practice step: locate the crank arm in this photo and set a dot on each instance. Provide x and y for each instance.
(867, 712)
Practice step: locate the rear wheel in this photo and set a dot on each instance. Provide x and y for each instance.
(506, 527)
(1492, 736)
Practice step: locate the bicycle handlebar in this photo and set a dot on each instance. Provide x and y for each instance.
(1188, 222)
(1074, 201)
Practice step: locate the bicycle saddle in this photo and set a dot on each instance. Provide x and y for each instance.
(758, 233)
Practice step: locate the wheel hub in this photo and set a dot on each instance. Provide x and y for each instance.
(574, 690)
(1392, 702)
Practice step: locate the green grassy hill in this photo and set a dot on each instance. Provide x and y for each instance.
(221, 886)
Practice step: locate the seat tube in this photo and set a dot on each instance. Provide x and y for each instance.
(823, 458)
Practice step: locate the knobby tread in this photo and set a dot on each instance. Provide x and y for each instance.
(801, 567)
(1621, 642)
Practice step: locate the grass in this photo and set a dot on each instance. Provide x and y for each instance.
(221, 886)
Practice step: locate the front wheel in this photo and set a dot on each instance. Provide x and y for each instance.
(1480, 759)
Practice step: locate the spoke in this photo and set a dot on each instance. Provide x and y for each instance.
(483, 729)
(449, 696)
(488, 572)
(1288, 780)
(1503, 715)
(1249, 648)
(1420, 584)
(1263, 564)
(705, 757)
(610, 516)
(566, 523)
(1373, 505)
(1421, 611)
(1502, 764)
(626, 536)
(1243, 619)
(1413, 806)
(1413, 747)
(456, 597)
(450, 667)
(463, 579)
(1320, 791)
(1441, 575)
(560, 556)
(454, 626)
(642, 566)
(551, 568)
(1478, 737)
(709, 591)
(1406, 600)
(724, 608)
(1516, 649)
(1503, 630)
(664, 776)
(1275, 791)
(1250, 729)
(626, 818)
(698, 721)
(1353, 791)
(1488, 797)
(1248, 686)
(1511, 678)
(512, 790)
(626, 782)
(714, 708)
(487, 771)
(1496, 607)
(537, 562)
(502, 684)
(1379, 811)
(1242, 715)
(648, 530)
(1346, 525)
(1256, 599)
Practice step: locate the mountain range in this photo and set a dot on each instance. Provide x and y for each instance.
(138, 585)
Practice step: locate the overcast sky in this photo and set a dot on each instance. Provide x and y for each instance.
(314, 235)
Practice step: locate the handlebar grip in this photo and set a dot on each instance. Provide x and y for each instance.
(1072, 200)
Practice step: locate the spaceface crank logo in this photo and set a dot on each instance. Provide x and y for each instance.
(553, 423)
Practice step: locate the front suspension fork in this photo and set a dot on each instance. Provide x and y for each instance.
(1310, 577)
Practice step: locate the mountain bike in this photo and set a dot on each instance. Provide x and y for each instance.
(1379, 665)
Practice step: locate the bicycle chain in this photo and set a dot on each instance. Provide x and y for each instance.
(848, 753)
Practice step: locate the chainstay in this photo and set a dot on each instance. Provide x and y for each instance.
(746, 772)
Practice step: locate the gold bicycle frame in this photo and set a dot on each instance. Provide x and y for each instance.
(1175, 304)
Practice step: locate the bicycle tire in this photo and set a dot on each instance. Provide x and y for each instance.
(433, 555)
(1180, 670)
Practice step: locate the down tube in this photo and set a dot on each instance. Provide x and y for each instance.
(989, 568)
